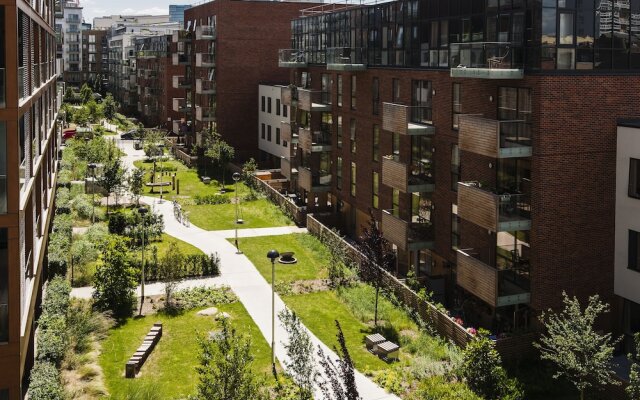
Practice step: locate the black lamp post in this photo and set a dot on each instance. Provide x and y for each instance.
(236, 178)
(142, 211)
(273, 254)
(92, 167)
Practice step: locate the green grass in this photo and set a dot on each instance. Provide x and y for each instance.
(311, 254)
(163, 246)
(169, 372)
(258, 213)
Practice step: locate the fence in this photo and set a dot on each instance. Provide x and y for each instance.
(289, 207)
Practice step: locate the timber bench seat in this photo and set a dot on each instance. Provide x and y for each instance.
(133, 365)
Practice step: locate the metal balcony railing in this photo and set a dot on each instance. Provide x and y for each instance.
(22, 87)
(492, 60)
(204, 32)
(292, 58)
(345, 59)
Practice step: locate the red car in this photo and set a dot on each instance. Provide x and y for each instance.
(68, 134)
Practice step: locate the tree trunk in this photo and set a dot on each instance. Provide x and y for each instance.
(582, 394)
(375, 315)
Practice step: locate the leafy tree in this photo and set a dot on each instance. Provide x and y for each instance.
(580, 353)
(69, 95)
(112, 177)
(136, 184)
(482, 370)
(339, 381)
(378, 256)
(86, 94)
(114, 281)
(95, 111)
(248, 171)
(633, 390)
(219, 151)
(171, 271)
(82, 253)
(81, 116)
(338, 258)
(300, 353)
(225, 367)
(110, 107)
(153, 140)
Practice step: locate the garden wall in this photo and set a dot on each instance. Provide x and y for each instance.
(295, 212)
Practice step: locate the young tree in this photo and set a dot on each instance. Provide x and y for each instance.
(482, 370)
(69, 95)
(219, 151)
(112, 177)
(86, 94)
(171, 271)
(110, 107)
(337, 268)
(225, 367)
(580, 353)
(633, 390)
(378, 257)
(115, 281)
(81, 116)
(95, 111)
(300, 353)
(153, 141)
(248, 171)
(339, 380)
(136, 184)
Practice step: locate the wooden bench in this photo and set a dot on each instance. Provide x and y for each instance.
(133, 365)
(388, 351)
(374, 339)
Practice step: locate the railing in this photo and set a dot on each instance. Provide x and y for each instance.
(514, 134)
(421, 114)
(206, 113)
(345, 56)
(181, 105)
(416, 173)
(498, 212)
(180, 58)
(298, 214)
(206, 32)
(3, 88)
(514, 207)
(22, 88)
(205, 86)
(36, 76)
(151, 53)
(491, 55)
(205, 60)
(292, 57)
(181, 35)
(181, 82)
(407, 120)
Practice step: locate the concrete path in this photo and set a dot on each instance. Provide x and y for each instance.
(255, 232)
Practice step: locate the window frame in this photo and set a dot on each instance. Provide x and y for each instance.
(634, 178)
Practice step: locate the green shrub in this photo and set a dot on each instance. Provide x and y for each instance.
(211, 199)
(83, 322)
(438, 388)
(117, 223)
(53, 338)
(204, 297)
(82, 206)
(56, 297)
(65, 177)
(45, 382)
(97, 233)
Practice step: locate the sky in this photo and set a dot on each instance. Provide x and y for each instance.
(99, 8)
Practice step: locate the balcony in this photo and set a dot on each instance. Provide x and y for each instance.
(407, 120)
(181, 35)
(345, 59)
(493, 138)
(205, 114)
(149, 54)
(306, 100)
(151, 91)
(181, 105)
(206, 32)
(181, 82)
(292, 58)
(150, 74)
(314, 142)
(497, 287)
(35, 78)
(204, 86)
(492, 211)
(486, 60)
(22, 82)
(205, 60)
(415, 235)
(3, 88)
(314, 181)
(288, 132)
(414, 178)
(180, 59)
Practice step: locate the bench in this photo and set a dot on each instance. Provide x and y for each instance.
(155, 184)
(388, 351)
(133, 365)
(374, 339)
(205, 179)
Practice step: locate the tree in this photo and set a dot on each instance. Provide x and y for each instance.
(171, 271)
(115, 280)
(69, 95)
(86, 94)
(300, 353)
(95, 111)
(219, 151)
(378, 257)
(153, 141)
(136, 184)
(81, 116)
(225, 367)
(110, 107)
(248, 171)
(339, 380)
(633, 390)
(482, 370)
(112, 177)
(580, 353)
(82, 253)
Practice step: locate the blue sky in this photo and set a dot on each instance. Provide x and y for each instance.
(98, 8)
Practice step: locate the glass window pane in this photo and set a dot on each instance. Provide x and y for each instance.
(548, 26)
(4, 287)
(566, 28)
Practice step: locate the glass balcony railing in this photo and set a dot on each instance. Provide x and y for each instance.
(180, 59)
(407, 120)
(206, 60)
(292, 58)
(490, 60)
(345, 59)
(3, 88)
(182, 35)
(206, 32)
(496, 210)
(206, 114)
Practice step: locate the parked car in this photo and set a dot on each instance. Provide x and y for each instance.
(130, 135)
(68, 134)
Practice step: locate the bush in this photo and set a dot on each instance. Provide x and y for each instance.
(82, 322)
(96, 234)
(52, 339)
(83, 207)
(211, 199)
(45, 382)
(438, 388)
(65, 177)
(57, 297)
(204, 297)
(117, 223)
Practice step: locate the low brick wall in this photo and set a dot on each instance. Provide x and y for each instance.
(298, 215)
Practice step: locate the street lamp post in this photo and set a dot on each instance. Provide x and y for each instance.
(161, 147)
(142, 211)
(236, 178)
(273, 254)
(92, 167)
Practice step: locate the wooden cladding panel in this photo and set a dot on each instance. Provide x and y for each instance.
(286, 96)
(285, 131)
(304, 99)
(285, 168)
(305, 179)
(479, 135)
(395, 118)
(478, 206)
(305, 140)
(477, 278)
(395, 230)
(394, 174)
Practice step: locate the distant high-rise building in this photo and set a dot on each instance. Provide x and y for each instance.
(176, 12)
(69, 26)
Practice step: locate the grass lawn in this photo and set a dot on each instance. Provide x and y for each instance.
(258, 213)
(185, 247)
(169, 372)
(311, 254)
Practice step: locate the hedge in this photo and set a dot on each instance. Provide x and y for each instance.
(45, 382)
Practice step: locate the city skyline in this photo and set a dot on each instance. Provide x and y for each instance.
(96, 8)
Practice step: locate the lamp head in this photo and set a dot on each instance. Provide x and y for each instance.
(273, 254)
(143, 210)
(92, 165)
(236, 176)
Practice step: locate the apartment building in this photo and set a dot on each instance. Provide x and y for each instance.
(95, 56)
(273, 147)
(481, 135)
(108, 21)
(29, 142)
(219, 88)
(176, 12)
(69, 34)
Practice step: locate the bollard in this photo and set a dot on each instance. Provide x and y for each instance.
(173, 182)
(177, 186)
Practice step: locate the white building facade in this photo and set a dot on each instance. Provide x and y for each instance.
(273, 120)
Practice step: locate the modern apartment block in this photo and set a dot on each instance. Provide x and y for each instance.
(480, 134)
(219, 88)
(29, 142)
(273, 147)
(107, 22)
(69, 29)
(176, 12)
(95, 55)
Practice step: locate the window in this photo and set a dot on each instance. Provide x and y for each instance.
(456, 104)
(353, 179)
(269, 105)
(395, 203)
(455, 167)
(3, 168)
(395, 144)
(4, 287)
(339, 132)
(376, 143)
(285, 111)
(634, 253)
(285, 143)
(263, 130)
(455, 233)
(395, 90)
(339, 90)
(353, 92)
(277, 106)
(277, 135)
(375, 185)
(375, 90)
(421, 102)
(325, 80)
(634, 178)
(339, 173)
(262, 104)
(353, 136)
(514, 104)
(269, 132)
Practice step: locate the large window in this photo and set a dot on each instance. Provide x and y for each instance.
(455, 232)
(376, 143)
(375, 185)
(634, 250)
(339, 173)
(353, 179)
(263, 131)
(456, 104)
(4, 287)
(455, 167)
(353, 92)
(277, 135)
(352, 135)
(339, 90)
(339, 132)
(375, 96)
(634, 178)
(395, 90)
(421, 102)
